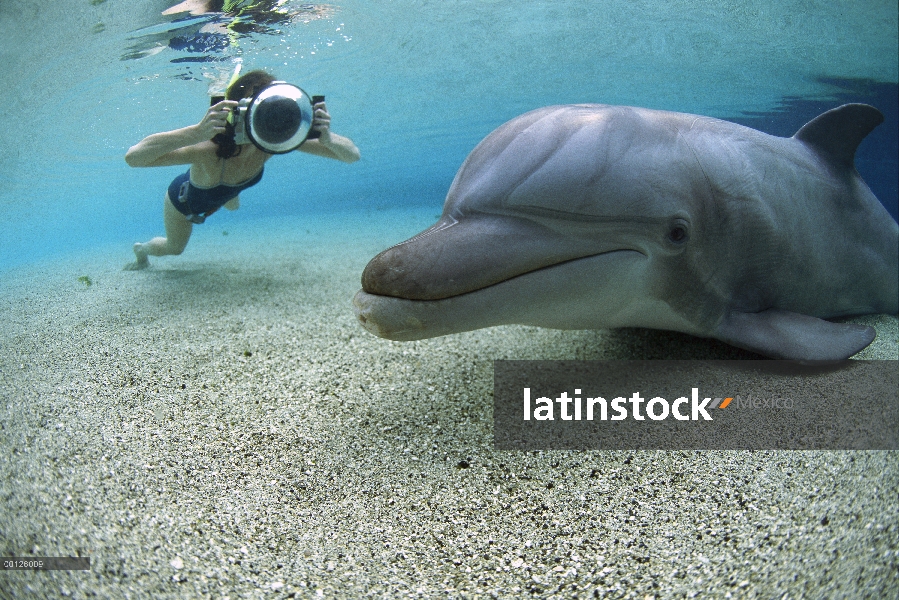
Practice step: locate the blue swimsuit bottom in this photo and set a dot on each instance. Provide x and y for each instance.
(196, 203)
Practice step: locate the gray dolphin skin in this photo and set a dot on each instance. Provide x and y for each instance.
(598, 217)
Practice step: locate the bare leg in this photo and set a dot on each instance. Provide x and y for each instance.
(177, 234)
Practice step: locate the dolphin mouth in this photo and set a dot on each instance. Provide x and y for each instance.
(535, 297)
(450, 259)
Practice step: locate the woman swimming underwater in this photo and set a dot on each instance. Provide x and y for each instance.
(220, 167)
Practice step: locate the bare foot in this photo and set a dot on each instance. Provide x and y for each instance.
(142, 261)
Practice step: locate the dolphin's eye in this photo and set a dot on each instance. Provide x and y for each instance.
(678, 234)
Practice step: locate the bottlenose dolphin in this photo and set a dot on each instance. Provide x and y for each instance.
(593, 217)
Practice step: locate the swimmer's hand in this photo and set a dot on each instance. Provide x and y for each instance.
(233, 203)
(216, 118)
(321, 122)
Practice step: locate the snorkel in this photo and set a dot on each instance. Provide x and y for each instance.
(217, 94)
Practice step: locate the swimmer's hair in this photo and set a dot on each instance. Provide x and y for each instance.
(246, 86)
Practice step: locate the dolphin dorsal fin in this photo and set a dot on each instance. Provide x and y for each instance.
(838, 132)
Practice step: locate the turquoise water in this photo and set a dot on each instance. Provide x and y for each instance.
(415, 83)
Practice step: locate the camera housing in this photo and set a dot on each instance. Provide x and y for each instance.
(277, 119)
(314, 134)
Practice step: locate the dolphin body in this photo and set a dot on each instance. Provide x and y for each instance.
(594, 217)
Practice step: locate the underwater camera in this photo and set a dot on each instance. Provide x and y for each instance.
(278, 119)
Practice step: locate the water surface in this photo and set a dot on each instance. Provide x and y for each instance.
(415, 83)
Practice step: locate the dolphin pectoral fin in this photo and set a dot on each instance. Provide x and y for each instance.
(793, 336)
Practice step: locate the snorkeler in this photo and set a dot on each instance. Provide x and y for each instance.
(221, 166)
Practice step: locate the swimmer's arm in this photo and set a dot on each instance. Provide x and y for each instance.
(176, 147)
(329, 145)
(181, 146)
(335, 146)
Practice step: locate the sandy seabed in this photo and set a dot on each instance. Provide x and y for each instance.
(220, 426)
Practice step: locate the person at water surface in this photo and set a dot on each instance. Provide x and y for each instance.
(220, 167)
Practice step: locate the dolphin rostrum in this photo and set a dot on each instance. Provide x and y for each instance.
(595, 217)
